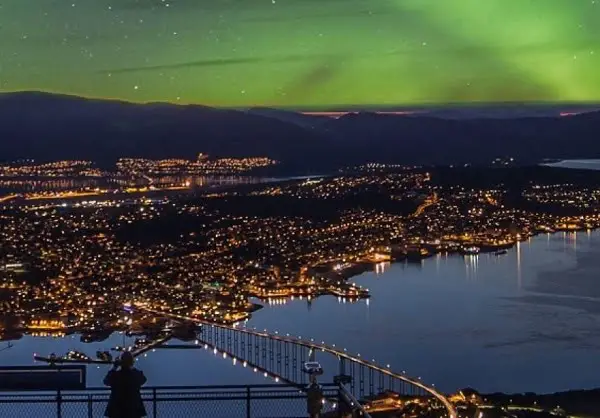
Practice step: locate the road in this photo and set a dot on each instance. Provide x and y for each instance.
(431, 200)
(8, 197)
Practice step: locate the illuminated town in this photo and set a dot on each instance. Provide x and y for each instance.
(30, 180)
(203, 165)
(69, 263)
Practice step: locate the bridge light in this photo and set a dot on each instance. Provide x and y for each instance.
(388, 366)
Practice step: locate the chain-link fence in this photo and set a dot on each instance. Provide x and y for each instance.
(260, 401)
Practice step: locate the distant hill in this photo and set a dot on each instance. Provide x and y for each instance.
(45, 126)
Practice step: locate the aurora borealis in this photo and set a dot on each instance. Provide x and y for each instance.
(318, 54)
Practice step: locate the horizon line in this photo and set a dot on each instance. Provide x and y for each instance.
(335, 110)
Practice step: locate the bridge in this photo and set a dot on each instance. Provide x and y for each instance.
(282, 357)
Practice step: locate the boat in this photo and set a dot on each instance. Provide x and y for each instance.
(500, 252)
(470, 250)
(76, 355)
(131, 333)
(104, 356)
(142, 342)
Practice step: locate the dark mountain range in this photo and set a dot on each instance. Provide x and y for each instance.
(44, 127)
(426, 140)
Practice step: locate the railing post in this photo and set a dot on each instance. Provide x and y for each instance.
(154, 408)
(248, 400)
(340, 400)
(58, 404)
(90, 407)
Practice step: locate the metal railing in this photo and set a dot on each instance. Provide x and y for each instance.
(347, 400)
(256, 401)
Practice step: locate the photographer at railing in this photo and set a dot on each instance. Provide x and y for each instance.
(125, 398)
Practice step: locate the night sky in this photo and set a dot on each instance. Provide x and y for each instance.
(304, 53)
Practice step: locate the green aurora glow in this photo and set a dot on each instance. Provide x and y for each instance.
(304, 53)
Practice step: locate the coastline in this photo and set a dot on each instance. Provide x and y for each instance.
(400, 254)
(416, 256)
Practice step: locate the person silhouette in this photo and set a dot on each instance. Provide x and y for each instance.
(125, 398)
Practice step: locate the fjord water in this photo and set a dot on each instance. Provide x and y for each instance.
(528, 320)
(590, 164)
(525, 321)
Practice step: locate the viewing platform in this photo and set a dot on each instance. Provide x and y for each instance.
(255, 401)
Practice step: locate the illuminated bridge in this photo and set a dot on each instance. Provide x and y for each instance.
(282, 357)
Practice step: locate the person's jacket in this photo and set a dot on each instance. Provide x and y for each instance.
(125, 398)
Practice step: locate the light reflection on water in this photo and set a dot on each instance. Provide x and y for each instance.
(524, 321)
(24, 185)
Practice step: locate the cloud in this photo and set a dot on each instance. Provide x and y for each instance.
(216, 62)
